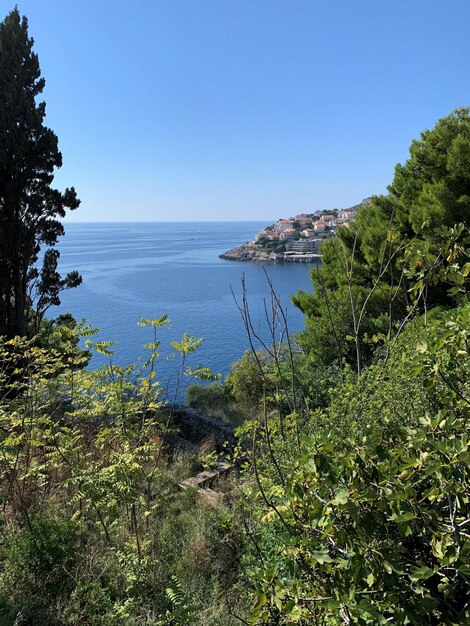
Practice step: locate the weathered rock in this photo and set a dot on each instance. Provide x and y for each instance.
(249, 252)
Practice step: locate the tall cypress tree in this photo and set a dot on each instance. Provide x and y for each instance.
(30, 208)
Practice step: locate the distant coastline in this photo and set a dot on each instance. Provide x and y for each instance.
(294, 240)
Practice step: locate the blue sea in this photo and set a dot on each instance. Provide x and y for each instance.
(134, 270)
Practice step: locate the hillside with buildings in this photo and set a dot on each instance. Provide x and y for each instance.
(296, 239)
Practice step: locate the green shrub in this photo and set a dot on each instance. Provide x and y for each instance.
(37, 568)
(363, 520)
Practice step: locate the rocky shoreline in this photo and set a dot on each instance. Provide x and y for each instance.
(250, 252)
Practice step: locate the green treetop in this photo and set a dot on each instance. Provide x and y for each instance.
(388, 258)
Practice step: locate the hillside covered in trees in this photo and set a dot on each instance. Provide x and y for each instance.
(348, 496)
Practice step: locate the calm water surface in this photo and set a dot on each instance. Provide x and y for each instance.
(134, 270)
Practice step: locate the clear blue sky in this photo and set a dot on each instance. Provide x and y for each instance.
(242, 109)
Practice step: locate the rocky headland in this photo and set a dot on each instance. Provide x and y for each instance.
(297, 239)
(249, 252)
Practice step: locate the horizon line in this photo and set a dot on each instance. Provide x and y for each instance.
(65, 222)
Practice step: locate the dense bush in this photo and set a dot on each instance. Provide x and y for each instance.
(363, 521)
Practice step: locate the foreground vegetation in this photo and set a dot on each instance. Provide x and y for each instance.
(95, 529)
(349, 497)
(351, 508)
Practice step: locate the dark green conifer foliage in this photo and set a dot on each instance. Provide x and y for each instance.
(30, 208)
(386, 260)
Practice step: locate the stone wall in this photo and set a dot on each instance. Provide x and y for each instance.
(197, 427)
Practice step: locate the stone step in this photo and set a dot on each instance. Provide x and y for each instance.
(207, 476)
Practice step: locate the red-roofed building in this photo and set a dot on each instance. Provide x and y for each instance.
(267, 234)
(288, 233)
(282, 225)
